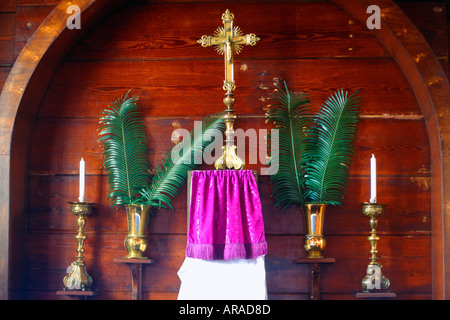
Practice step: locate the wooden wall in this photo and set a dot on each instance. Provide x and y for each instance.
(150, 47)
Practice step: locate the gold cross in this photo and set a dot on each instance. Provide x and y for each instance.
(228, 40)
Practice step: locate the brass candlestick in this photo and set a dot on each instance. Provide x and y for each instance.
(228, 40)
(78, 278)
(374, 279)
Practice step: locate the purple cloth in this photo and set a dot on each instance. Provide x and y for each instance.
(225, 219)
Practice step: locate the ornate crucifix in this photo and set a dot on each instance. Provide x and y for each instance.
(228, 40)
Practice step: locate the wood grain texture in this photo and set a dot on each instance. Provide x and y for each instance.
(7, 23)
(432, 89)
(193, 87)
(151, 48)
(290, 30)
(20, 97)
(8, 6)
(28, 19)
(77, 137)
(351, 253)
(50, 212)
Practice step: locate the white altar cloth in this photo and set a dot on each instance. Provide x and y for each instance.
(238, 279)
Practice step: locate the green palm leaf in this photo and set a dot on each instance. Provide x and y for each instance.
(125, 151)
(331, 147)
(291, 114)
(170, 177)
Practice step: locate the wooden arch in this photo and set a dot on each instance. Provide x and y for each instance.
(34, 68)
(430, 85)
(20, 99)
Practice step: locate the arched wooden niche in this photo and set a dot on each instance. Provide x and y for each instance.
(38, 61)
(19, 101)
(431, 87)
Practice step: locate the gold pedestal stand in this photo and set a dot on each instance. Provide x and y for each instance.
(78, 281)
(375, 285)
(229, 158)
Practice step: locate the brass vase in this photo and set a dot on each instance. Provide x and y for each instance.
(136, 240)
(314, 242)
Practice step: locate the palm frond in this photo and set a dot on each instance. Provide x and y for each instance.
(331, 147)
(170, 177)
(290, 113)
(125, 151)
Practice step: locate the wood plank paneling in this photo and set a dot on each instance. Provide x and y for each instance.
(8, 6)
(7, 24)
(100, 251)
(77, 137)
(165, 88)
(300, 32)
(151, 48)
(28, 19)
(4, 71)
(50, 212)
(430, 18)
(351, 254)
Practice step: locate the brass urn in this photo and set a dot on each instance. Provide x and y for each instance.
(136, 241)
(314, 242)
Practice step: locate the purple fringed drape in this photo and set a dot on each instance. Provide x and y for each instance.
(225, 216)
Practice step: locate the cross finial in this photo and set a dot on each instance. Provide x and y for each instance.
(227, 15)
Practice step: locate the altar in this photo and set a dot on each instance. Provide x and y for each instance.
(57, 79)
(226, 242)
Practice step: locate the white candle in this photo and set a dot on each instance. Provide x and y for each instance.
(82, 174)
(373, 179)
